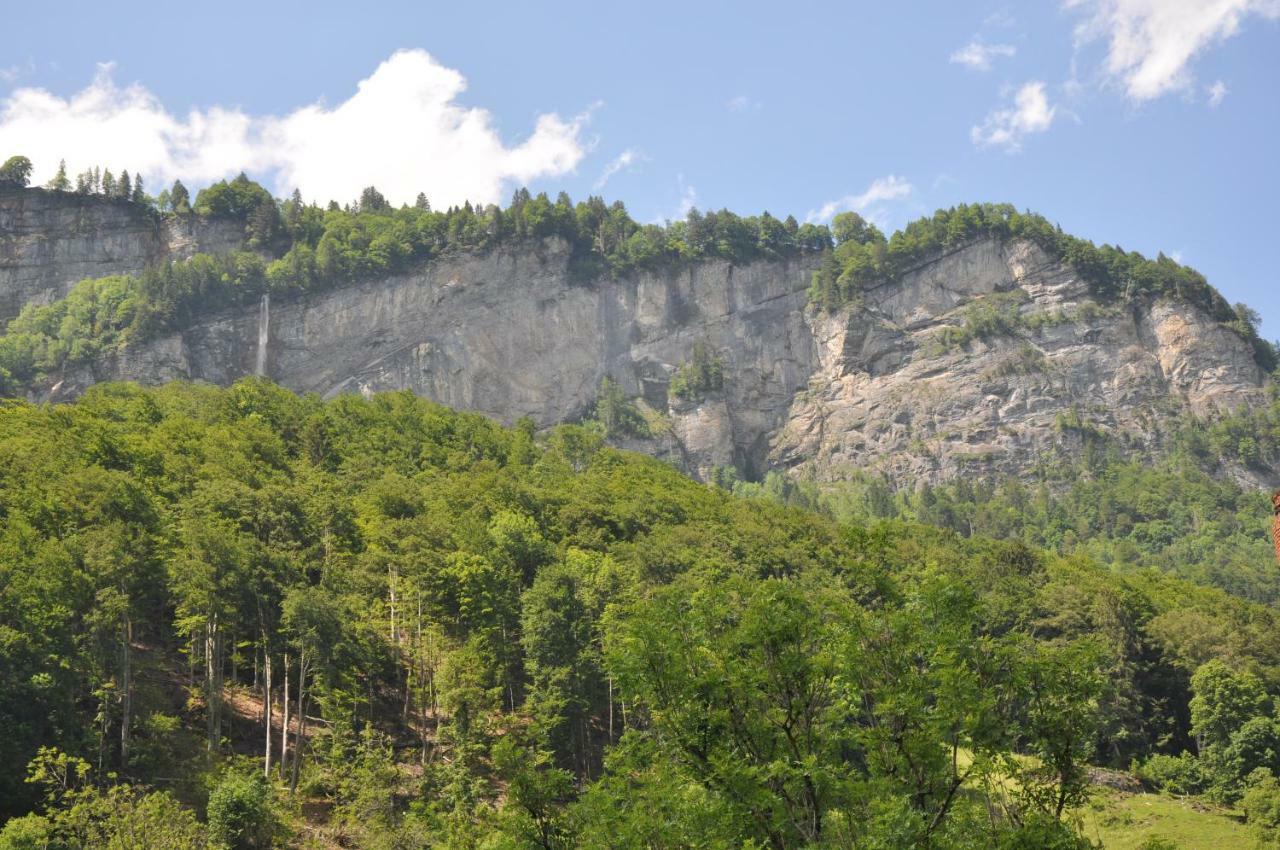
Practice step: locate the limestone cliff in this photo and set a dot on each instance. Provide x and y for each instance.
(897, 383)
(49, 241)
(986, 360)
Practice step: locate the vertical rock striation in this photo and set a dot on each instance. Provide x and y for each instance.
(49, 241)
(899, 383)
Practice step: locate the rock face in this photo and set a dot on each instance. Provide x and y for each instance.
(49, 241)
(892, 393)
(508, 334)
(987, 360)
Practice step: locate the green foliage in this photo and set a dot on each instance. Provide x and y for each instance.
(1261, 804)
(1182, 774)
(788, 702)
(984, 318)
(312, 249)
(179, 198)
(240, 813)
(533, 813)
(29, 832)
(702, 374)
(508, 641)
(1236, 732)
(1224, 700)
(237, 198)
(60, 182)
(15, 173)
(863, 257)
(616, 414)
(1180, 514)
(1156, 842)
(120, 817)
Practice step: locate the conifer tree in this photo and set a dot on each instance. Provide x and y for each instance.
(124, 187)
(60, 182)
(180, 198)
(293, 212)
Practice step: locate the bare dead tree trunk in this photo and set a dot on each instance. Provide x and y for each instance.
(126, 687)
(391, 589)
(266, 703)
(219, 657)
(284, 730)
(212, 682)
(302, 719)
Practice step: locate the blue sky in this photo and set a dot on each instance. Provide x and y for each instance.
(1152, 124)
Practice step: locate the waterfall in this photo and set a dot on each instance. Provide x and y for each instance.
(264, 328)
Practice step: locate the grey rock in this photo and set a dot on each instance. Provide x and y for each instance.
(50, 241)
(873, 387)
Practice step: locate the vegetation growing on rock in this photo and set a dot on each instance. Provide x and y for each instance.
(302, 247)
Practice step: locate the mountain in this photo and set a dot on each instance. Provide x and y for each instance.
(983, 358)
(247, 617)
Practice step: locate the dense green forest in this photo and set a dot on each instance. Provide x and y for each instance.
(482, 637)
(292, 247)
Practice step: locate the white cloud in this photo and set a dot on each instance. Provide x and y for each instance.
(742, 103)
(999, 19)
(688, 199)
(1217, 92)
(978, 56)
(11, 73)
(1005, 128)
(869, 203)
(402, 131)
(622, 161)
(1151, 43)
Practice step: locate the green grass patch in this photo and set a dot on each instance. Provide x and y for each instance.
(1124, 821)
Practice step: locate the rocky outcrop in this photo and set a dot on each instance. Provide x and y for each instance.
(903, 387)
(990, 359)
(986, 360)
(509, 334)
(49, 241)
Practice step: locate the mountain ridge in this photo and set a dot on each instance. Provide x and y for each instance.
(976, 360)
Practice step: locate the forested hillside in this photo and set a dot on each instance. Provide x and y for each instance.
(484, 637)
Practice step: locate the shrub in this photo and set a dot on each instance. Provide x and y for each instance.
(702, 374)
(1181, 774)
(29, 832)
(1261, 806)
(240, 813)
(617, 414)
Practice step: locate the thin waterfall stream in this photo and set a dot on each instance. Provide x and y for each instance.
(264, 329)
